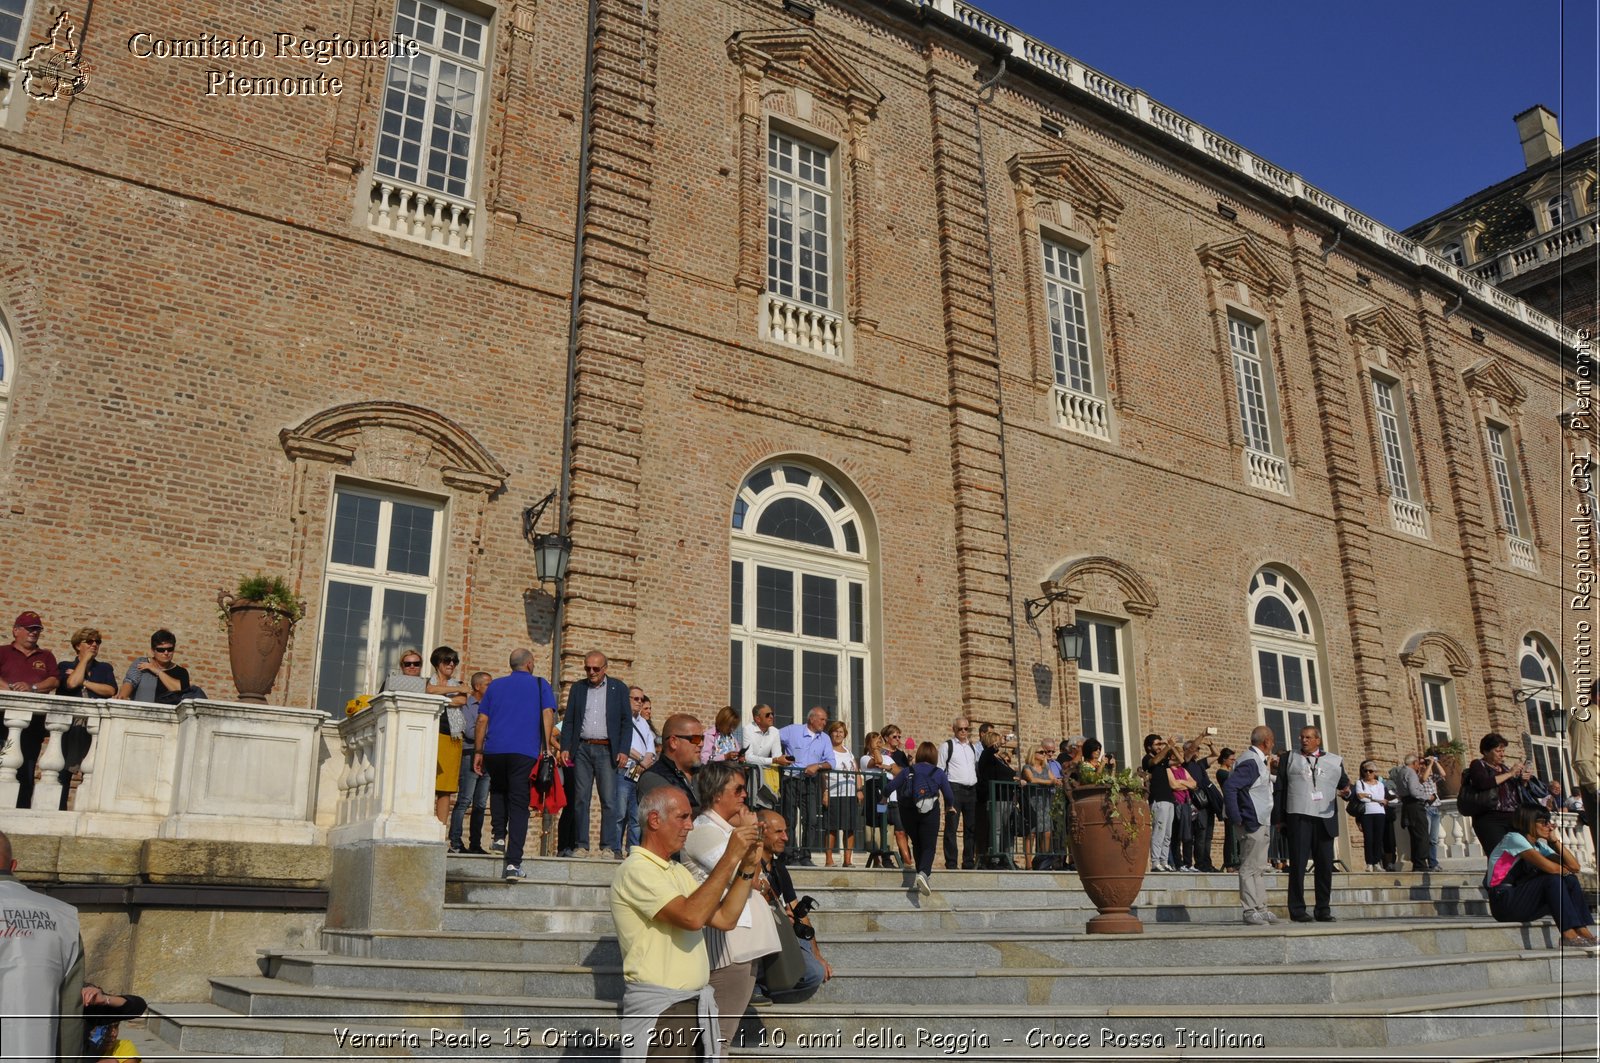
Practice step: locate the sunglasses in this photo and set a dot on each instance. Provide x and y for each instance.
(410, 664)
(163, 649)
(37, 630)
(92, 642)
(696, 739)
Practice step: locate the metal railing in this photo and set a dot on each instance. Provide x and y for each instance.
(1026, 826)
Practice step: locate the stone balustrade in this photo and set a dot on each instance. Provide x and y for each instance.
(1408, 517)
(1166, 122)
(423, 215)
(1082, 413)
(385, 790)
(1539, 251)
(202, 769)
(801, 325)
(1267, 471)
(1521, 553)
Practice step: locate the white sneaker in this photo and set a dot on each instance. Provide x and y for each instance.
(581, 854)
(1270, 917)
(922, 884)
(1255, 919)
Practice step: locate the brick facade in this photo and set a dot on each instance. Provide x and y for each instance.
(208, 338)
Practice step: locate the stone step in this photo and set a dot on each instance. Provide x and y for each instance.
(951, 983)
(1293, 1028)
(1287, 943)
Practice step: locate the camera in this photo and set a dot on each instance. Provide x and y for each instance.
(803, 908)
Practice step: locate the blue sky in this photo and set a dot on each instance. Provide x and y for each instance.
(1400, 108)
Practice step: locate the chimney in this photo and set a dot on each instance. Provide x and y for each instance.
(1541, 137)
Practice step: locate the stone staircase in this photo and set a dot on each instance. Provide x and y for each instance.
(993, 965)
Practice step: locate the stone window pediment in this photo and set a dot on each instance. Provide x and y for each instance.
(1046, 176)
(395, 442)
(802, 58)
(1242, 261)
(1489, 380)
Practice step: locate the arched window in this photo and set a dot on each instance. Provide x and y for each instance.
(1453, 253)
(800, 607)
(1539, 672)
(1560, 209)
(1286, 657)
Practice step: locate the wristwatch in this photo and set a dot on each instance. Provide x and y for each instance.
(747, 876)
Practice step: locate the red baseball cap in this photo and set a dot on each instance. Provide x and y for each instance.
(28, 619)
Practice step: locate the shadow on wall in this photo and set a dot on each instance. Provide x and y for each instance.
(1044, 683)
(539, 608)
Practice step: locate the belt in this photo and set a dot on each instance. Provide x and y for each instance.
(598, 741)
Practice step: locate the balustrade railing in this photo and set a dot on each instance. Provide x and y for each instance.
(1521, 553)
(1082, 413)
(1408, 517)
(1267, 471)
(421, 214)
(1036, 53)
(801, 325)
(391, 750)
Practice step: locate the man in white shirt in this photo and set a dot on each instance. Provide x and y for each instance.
(641, 754)
(958, 758)
(764, 748)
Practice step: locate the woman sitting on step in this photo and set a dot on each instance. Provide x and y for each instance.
(1532, 874)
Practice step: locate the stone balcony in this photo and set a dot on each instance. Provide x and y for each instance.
(421, 215)
(1540, 251)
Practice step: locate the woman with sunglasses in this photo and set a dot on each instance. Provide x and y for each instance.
(1532, 874)
(452, 723)
(1375, 798)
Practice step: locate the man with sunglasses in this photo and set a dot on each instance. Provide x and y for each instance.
(156, 678)
(681, 737)
(24, 667)
(594, 742)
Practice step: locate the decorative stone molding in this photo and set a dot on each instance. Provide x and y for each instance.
(1242, 261)
(804, 59)
(1140, 598)
(1380, 337)
(1492, 386)
(394, 441)
(1045, 177)
(1416, 653)
(386, 789)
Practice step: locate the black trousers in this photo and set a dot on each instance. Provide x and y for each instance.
(800, 796)
(1490, 827)
(1372, 831)
(1309, 840)
(965, 808)
(510, 786)
(1414, 817)
(923, 827)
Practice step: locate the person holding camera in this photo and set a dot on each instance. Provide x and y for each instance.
(778, 887)
(1490, 772)
(1414, 807)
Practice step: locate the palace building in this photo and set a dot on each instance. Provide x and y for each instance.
(863, 343)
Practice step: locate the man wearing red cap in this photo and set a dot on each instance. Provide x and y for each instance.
(25, 667)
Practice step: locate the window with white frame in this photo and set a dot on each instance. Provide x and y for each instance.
(800, 618)
(1253, 389)
(428, 130)
(800, 307)
(1507, 486)
(1559, 208)
(1102, 684)
(1399, 463)
(1540, 675)
(13, 24)
(1080, 391)
(380, 590)
(8, 372)
(1286, 648)
(1438, 711)
(1453, 253)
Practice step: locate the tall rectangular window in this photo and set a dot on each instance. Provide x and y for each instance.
(1436, 711)
(431, 100)
(1068, 304)
(1394, 455)
(13, 17)
(1504, 479)
(1249, 380)
(799, 221)
(1102, 686)
(379, 592)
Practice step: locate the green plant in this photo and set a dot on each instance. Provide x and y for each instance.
(1118, 782)
(1454, 748)
(270, 591)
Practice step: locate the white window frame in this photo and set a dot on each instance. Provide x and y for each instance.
(1406, 512)
(412, 200)
(8, 374)
(20, 46)
(1439, 718)
(1256, 395)
(1505, 479)
(1454, 253)
(1538, 665)
(1559, 210)
(1077, 367)
(854, 700)
(805, 317)
(1098, 680)
(380, 579)
(11, 94)
(1303, 646)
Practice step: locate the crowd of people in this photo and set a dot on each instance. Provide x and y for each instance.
(27, 666)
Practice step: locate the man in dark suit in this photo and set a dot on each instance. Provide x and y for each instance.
(1311, 785)
(595, 742)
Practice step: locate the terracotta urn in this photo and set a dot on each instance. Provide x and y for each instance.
(258, 635)
(1450, 785)
(1111, 847)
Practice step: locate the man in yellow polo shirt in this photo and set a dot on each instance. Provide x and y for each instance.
(668, 1010)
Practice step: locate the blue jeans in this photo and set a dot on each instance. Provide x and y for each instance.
(593, 768)
(474, 791)
(1434, 815)
(628, 802)
(809, 982)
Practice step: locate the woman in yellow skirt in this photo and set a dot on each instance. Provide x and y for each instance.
(445, 663)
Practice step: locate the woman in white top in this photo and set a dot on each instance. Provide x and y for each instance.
(840, 801)
(876, 764)
(1374, 813)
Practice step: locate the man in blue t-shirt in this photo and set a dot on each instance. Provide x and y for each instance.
(514, 725)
